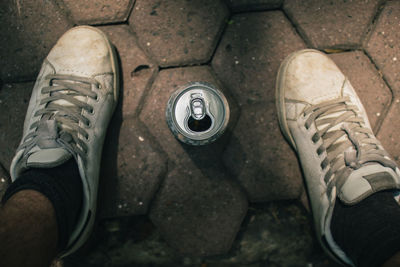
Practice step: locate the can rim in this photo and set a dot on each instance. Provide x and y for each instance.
(180, 133)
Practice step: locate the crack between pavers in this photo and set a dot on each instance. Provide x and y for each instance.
(163, 178)
(261, 10)
(109, 23)
(132, 4)
(297, 28)
(380, 121)
(146, 91)
(373, 23)
(251, 10)
(152, 64)
(163, 175)
(199, 64)
(145, 51)
(221, 32)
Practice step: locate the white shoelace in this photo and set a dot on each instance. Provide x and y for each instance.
(64, 105)
(348, 142)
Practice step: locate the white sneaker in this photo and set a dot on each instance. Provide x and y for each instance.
(71, 105)
(323, 119)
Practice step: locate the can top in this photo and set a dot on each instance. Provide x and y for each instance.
(199, 112)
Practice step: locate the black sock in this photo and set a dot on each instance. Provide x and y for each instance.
(62, 185)
(368, 232)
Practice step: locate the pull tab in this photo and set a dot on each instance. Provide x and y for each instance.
(197, 107)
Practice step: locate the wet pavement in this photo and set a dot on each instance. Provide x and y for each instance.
(239, 201)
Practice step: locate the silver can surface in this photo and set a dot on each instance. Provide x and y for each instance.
(197, 114)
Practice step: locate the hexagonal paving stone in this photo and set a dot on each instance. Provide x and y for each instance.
(372, 90)
(178, 32)
(328, 24)
(249, 5)
(99, 11)
(136, 69)
(132, 169)
(198, 214)
(260, 158)
(384, 45)
(32, 28)
(197, 200)
(283, 231)
(247, 61)
(389, 132)
(273, 234)
(251, 50)
(14, 100)
(153, 113)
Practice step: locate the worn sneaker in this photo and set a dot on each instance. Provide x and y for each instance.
(71, 105)
(323, 119)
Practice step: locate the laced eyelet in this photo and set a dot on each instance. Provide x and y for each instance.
(91, 111)
(96, 98)
(320, 150)
(315, 138)
(324, 163)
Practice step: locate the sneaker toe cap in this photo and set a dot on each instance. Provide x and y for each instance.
(312, 77)
(83, 51)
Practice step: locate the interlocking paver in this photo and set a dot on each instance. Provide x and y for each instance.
(178, 32)
(30, 29)
(133, 168)
(14, 99)
(196, 196)
(99, 11)
(369, 85)
(260, 158)
(384, 49)
(198, 214)
(332, 24)
(389, 132)
(250, 5)
(273, 234)
(383, 45)
(136, 69)
(153, 113)
(247, 61)
(250, 52)
(196, 200)
(280, 230)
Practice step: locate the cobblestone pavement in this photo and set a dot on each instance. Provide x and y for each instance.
(241, 200)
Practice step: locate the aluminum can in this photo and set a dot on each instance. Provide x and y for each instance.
(197, 113)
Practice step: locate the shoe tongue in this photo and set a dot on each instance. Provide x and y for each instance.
(367, 180)
(48, 151)
(48, 158)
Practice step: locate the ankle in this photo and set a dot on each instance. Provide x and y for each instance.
(62, 186)
(29, 228)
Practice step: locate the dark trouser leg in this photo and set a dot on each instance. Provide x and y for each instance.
(39, 213)
(369, 232)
